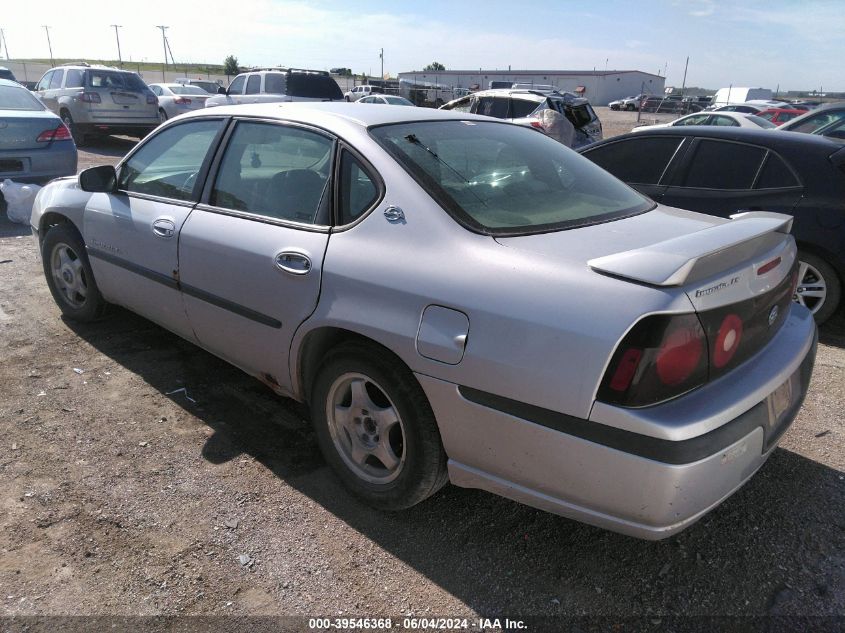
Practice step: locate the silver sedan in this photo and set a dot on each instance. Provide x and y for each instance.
(176, 99)
(456, 299)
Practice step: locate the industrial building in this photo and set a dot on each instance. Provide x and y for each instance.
(599, 86)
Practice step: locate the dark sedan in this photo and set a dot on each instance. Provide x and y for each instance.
(723, 171)
(35, 146)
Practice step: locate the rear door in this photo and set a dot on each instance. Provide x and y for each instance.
(250, 256)
(132, 235)
(723, 177)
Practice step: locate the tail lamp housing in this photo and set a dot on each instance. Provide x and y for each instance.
(60, 133)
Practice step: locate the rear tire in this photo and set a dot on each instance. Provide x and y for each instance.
(69, 275)
(819, 287)
(630, 107)
(376, 428)
(162, 115)
(78, 137)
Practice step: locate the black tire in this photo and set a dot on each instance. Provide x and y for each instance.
(832, 283)
(423, 471)
(630, 107)
(92, 306)
(78, 137)
(162, 115)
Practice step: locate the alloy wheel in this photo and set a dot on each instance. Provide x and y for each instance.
(812, 289)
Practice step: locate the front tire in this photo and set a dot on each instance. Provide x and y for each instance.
(819, 288)
(375, 427)
(69, 275)
(630, 107)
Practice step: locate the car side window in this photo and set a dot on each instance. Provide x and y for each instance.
(237, 85)
(813, 123)
(75, 78)
(624, 159)
(493, 106)
(45, 80)
(724, 121)
(278, 171)
(723, 165)
(167, 164)
(156, 90)
(461, 105)
(522, 108)
(696, 119)
(253, 85)
(357, 191)
(56, 79)
(775, 174)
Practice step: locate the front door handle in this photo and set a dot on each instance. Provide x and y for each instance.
(293, 263)
(164, 227)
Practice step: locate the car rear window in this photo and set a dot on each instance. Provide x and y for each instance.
(187, 90)
(311, 86)
(502, 179)
(14, 98)
(116, 80)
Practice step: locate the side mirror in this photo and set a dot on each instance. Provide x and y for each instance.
(102, 179)
(222, 91)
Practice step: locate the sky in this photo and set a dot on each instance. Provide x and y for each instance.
(793, 44)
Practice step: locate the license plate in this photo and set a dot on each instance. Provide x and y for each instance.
(779, 402)
(11, 165)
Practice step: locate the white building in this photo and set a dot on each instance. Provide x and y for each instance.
(599, 86)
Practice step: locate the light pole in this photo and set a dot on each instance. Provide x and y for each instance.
(5, 43)
(164, 44)
(49, 45)
(381, 57)
(117, 36)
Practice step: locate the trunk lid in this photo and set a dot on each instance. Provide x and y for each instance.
(19, 129)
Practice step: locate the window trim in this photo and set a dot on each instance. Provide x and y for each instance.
(374, 175)
(214, 172)
(202, 174)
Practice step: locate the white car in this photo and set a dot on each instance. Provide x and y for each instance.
(359, 92)
(176, 99)
(386, 100)
(726, 119)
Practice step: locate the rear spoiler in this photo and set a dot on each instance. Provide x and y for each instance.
(687, 258)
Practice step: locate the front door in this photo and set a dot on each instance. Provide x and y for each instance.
(132, 236)
(250, 256)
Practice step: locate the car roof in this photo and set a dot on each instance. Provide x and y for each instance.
(328, 114)
(767, 137)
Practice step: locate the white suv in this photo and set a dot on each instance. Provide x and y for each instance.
(268, 85)
(524, 107)
(361, 91)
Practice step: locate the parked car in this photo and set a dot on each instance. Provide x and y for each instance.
(437, 286)
(5, 73)
(524, 107)
(99, 100)
(270, 85)
(670, 105)
(745, 108)
(724, 171)
(779, 116)
(385, 100)
(176, 99)
(816, 119)
(358, 92)
(628, 103)
(35, 146)
(211, 87)
(722, 119)
(834, 129)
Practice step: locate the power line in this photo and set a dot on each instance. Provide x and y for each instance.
(117, 36)
(49, 45)
(164, 45)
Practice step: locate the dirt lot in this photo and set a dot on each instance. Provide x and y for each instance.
(118, 497)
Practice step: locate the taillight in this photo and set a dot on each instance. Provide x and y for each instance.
(61, 133)
(538, 125)
(727, 342)
(182, 101)
(662, 357)
(151, 99)
(90, 97)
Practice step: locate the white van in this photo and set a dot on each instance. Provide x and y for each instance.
(727, 96)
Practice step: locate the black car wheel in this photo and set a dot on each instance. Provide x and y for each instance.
(69, 275)
(78, 136)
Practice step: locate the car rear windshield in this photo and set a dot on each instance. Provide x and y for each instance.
(116, 80)
(503, 179)
(14, 98)
(188, 90)
(313, 86)
(761, 121)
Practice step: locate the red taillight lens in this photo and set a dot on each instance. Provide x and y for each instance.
(538, 125)
(182, 101)
(61, 133)
(727, 340)
(152, 99)
(90, 97)
(661, 357)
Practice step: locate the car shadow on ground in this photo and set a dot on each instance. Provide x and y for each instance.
(775, 547)
(109, 145)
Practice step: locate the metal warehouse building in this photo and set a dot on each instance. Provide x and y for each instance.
(599, 86)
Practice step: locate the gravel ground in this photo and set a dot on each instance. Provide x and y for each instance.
(118, 497)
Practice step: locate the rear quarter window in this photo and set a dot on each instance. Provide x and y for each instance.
(775, 174)
(723, 165)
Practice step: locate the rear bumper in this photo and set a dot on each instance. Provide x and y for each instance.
(644, 486)
(129, 129)
(39, 165)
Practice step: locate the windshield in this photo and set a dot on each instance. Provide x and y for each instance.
(503, 179)
(14, 98)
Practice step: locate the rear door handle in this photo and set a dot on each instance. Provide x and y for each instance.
(164, 227)
(293, 263)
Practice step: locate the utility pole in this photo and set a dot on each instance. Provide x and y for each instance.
(381, 57)
(684, 84)
(49, 45)
(164, 45)
(5, 43)
(117, 36)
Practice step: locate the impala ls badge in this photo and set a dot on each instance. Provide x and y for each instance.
(773, 315)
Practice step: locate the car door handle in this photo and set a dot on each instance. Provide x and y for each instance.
(293, 263)
(163, 227)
